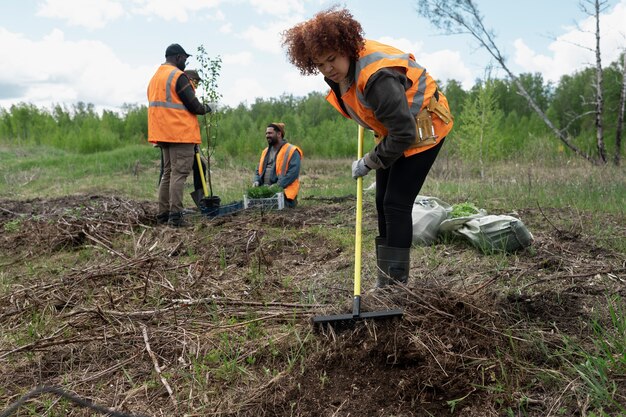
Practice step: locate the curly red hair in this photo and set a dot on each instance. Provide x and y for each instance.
(329, 30)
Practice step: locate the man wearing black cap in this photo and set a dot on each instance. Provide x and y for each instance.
(173, 126)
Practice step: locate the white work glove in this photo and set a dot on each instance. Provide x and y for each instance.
(255, 184)
(359, 169)
(213, 106)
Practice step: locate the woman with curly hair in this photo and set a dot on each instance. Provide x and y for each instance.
(383, 89)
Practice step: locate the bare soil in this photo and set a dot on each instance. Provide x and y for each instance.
(216, 319)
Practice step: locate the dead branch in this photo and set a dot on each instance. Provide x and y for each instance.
(157, 368)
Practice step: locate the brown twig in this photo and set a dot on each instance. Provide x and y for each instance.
(157, 368)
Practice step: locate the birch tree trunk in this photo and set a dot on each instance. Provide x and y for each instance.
(620, 114)
(599, 94)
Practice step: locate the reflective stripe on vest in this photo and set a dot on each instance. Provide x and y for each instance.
(415, 99)
(286, 152)
(168, 96)
(286, 158)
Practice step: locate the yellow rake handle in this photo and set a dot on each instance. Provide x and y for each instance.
(199, 161)
(359, 220)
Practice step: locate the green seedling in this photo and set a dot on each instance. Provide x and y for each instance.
(263, 191)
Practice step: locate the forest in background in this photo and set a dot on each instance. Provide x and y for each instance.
(493, 122)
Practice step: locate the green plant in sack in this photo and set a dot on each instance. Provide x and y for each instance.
(463, 210)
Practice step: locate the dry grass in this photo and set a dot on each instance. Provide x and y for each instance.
(214, 320)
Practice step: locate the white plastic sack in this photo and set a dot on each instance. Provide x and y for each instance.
(492, 233)
(427, 214)
(453, 224)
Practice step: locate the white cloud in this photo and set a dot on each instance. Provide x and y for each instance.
(570, 53)
(245, 90)
(402, 44)
(241, 58)
(532, 62)
(278, 7)
(442, 65)
(447, 65)
(89, 14)
(219, 16)
(166, 10)
(41, 93)
(172, 10)
(89, 71)
(267, 40)
(95, 14)
(226, 28)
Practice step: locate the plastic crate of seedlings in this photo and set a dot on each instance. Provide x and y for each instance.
(222, 209)
(264, 198)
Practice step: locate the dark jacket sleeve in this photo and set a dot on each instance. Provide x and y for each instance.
(385, 92)
(188, 96)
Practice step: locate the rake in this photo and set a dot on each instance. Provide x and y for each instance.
(347, 320)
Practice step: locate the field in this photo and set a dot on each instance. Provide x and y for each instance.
(97, 299)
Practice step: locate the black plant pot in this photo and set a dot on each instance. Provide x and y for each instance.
(211, 205)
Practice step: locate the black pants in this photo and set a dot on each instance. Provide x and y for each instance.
(396, 190)
(289, 203)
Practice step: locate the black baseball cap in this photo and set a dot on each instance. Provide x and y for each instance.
(175, 49)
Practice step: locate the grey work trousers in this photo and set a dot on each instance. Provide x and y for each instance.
(177, 164)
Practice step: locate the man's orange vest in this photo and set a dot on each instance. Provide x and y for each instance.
(282, 164)
(373, 57)
(168, 118)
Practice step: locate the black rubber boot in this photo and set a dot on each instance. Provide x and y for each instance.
(382, 279)
(395, 263)
(163, 218)
(177, 220)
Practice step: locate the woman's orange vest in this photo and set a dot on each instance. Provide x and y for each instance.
(373, 57)
(168, 118)
(282, 164)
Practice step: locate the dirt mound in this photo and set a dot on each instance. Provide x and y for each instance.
(407, 367)
(39, 225)
(215, 320)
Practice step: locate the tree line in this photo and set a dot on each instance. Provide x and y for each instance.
(493, 121)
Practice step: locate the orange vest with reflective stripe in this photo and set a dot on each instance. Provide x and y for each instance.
(282, 164)
(168, 118)
(373, 57)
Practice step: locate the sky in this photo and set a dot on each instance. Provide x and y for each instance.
(104, 52)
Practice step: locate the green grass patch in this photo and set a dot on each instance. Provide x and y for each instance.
(603, 362)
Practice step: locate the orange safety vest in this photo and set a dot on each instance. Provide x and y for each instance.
(168, 118)
(282, 164)
(373, 57)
